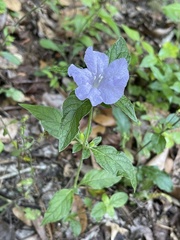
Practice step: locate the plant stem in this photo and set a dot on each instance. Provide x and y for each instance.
(84, 146)
(88, 128)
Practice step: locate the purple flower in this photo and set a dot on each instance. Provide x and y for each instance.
(100, 81)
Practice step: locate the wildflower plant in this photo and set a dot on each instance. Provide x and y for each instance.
(102, 82)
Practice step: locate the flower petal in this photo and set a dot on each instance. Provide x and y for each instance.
(114, 82)
(111, 94)
(82, 91)
(95, 61)
(116, 73)
(87, 91)
(95, 97)
(80, 76)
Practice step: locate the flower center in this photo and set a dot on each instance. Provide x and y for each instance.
(97, 80)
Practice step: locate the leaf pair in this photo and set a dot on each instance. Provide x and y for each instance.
(62, 125)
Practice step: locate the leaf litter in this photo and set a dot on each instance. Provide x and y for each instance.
(155, 218)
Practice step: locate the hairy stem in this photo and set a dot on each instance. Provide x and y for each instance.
(84, 146)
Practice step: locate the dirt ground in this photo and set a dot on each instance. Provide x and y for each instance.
(156, 218)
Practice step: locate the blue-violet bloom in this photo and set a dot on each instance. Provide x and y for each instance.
(101, 81)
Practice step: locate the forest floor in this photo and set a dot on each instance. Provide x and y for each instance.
(141, 218)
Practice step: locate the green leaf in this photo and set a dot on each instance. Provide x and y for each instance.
(50, 117)
(2, 7)
(1, 146)
(147, 47)
(98, 211)
(169, 50)
(172, 120)
(88, 202)
(95, 141)
(163, 181)
(115, 162)
(75, 226)
(88, 3)
(87, 41)
(151, 174)
(126, 169)
(15, 94)
(32, 214)
(118, 50)
(149, 61)
(118, 199)
(105, 158)
(133, 34)
(59, 206)
(110, 210)
(105, 199)
(157, 74)
(126, 107)
(158, 143)
(122, 121)
(176, 87)
(86, 153)
(77, 147)
(49, 44)
(176, 137)
(73, 111)
(172, 11)
(99, 179)
(106, 17)
(11, 58)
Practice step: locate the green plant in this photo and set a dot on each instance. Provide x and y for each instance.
(162, 134)
(13, 93)
(107, 205)
(54, 73)
(148, 176)
(2, 7)
(85, 25)
(64, 125)
(32, 214)
(158, 72)
(172, 11)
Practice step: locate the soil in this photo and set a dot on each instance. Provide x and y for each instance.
(152, 218)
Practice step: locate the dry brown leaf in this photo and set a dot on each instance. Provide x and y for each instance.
(176, 192)
(42, 64)
(168, 165)
(104, 118)
(19, 213)
(44, 30)
(97, 129)
(13, 5)
(68, 170)
(65, 2)
(12, 129)
(115, 229)
(40, 228)
(79, 208)
(159, 160)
